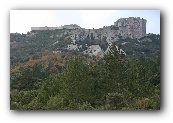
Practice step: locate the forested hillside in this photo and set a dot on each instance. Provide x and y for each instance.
(35, 44)
(46, 75)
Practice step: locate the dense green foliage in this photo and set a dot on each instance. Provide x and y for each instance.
(115, 82)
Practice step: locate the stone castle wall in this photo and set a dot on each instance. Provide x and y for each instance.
(71, 26)
(45, 28)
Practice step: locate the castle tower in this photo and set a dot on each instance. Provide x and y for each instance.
(131, 27)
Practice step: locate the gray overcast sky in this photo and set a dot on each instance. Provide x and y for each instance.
(21, 21)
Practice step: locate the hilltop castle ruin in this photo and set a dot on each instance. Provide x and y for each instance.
(131, 27)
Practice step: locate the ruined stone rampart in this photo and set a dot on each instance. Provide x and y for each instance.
(131, 27)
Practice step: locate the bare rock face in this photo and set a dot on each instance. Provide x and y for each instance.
(94, 50)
